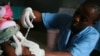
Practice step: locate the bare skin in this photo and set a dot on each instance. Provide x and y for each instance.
(86, 16)
(10, 51)
(58, 53)
(38, 16)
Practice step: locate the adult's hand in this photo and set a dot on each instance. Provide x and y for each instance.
(26, 16)
(8, 50)
(33, 48)
(26, 52)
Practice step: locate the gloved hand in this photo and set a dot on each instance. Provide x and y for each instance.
(18, 48)
(33, 48)
(25, 19)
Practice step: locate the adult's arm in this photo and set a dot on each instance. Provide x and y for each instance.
(52, 35)
(51, 53)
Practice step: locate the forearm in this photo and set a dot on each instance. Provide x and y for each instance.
(49, 53)
(38, 16)
(52, 38)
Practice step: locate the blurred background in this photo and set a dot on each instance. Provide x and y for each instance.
(67, 6)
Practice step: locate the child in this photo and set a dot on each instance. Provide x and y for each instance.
(12, 42)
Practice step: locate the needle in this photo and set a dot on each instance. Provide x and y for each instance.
(28, 30)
